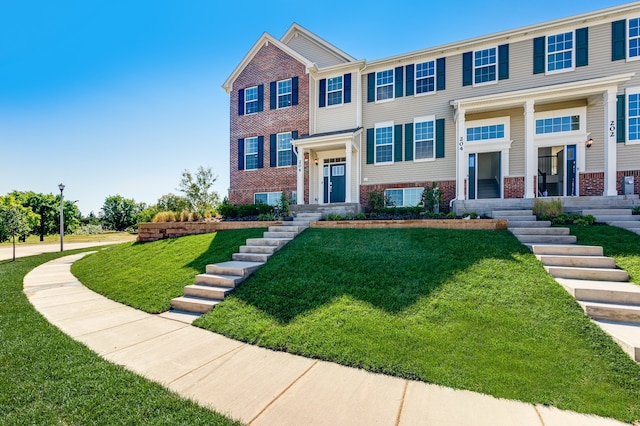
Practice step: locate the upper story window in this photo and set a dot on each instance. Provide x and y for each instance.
(384, 143)
(251, 153)
(483, 133)
(404, 197)
(284, 149)
(560, 52)
(284, 93)
(634, 38)
(568, 123)
(425, 77)
(424, 138)
(334, 91)
(484, 65)
(251, 100)
(633, 114)
(384, 85)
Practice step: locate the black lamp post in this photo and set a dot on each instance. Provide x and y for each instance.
(61, 186)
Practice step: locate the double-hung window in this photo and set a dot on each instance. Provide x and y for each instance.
(426, 77)
(484, 65)
(251, 100)
(560, 52)
(284, 149)
(424, 138)
(384, 143)
(634, 38)
(285, 93)
(633, 115)
(334, 91)
(251, 153)
(384, 85)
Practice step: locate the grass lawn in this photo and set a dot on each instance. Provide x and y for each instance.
(87, 238)
(148, 275)
(48, 378)
(468, 309)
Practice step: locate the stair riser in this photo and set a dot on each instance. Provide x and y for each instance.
(280, 234)
(625, 224)
(607, 296)
(206, 293)
(613, 314)
(568, 250)
(532, 224)
(617, 218)
(191, 307)
(578, 261)
(213, 280)
(259, 249)
(286, 229)
(497, 213)
(540, 231)
(267, 241)
(606, 212)
(517, 218)
(588, 274)
(240, 272)
(547, 239)
(251, 257)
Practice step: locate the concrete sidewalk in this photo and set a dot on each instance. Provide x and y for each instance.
(24, 250)
(256, 385)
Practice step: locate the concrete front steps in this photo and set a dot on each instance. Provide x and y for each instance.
(528, 230)
(622, 218)
(220, 279)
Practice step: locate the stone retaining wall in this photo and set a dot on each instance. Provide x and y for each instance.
(158, 231)
(489, 224)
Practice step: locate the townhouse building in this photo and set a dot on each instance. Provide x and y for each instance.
(551, 109)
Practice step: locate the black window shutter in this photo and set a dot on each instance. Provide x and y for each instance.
(440, 138)
(408, 142)
(399, 82)
(273, 95)
(347, 88)
(260, 152)
(371, 87)
(240, 154)
(503, 62)
(294, 157)
(618, 40)
(323, 93)
(441, 74)
(467, 68)
(260, 97)
(409, 69)
(370, 146)
(294, 91)
(621, 118)
(241, 102)
(538, 55)
(397, 142)
(273, 151)
(582, 47)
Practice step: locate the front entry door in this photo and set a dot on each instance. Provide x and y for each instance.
(571, 171)
(334, 183)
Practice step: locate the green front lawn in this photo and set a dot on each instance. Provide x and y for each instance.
(47, 378)
(468, 309)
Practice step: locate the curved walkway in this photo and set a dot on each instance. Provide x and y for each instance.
(256, 385)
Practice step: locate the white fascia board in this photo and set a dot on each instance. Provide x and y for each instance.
(262, 41)
(337, 69)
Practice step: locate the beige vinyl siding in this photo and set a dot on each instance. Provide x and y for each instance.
(337, 117)
(594, 156)
(314, 52)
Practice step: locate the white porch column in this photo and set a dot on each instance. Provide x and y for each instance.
(347, 171)
(462, 167)
(610, 143)
(300, 176)
(530, 154)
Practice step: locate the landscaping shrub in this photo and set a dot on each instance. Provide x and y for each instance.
(194, 216)
(164, 217)
(570, 219)
(89, 230)
(432, 197)
(377, 201)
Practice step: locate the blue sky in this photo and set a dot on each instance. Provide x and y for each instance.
(119, 97)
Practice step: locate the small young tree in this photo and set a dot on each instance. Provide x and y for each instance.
(14, 221)
(197, 190)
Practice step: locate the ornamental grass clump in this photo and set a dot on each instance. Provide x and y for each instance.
(164, 217)
(547, 208)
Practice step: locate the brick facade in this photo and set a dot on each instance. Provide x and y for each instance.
(593, 183)
(448, 187)
(514, 187)
(268, 65)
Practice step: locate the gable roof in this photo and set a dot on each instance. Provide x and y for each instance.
(263, 41)
(296, 30)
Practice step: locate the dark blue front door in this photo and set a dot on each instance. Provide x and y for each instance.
(571, 170)
(334, 183)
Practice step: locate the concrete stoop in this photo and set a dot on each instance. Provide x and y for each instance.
(622, 218)
(601, 289)
(220, 279)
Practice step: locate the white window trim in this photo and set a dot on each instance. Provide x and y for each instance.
(326, 100)
(435, 79)
(393, 86)
(546, 54)
(279, 194)
(506, 121)
(627, 92)
(473, 75)
(283, 94)
(549, 139)
(278, 150)
(420, 120)
(245, 100)
(626, 41)
(246, 154)
(375, 156)
(403, 196)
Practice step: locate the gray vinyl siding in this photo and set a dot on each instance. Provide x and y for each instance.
(314, 52)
